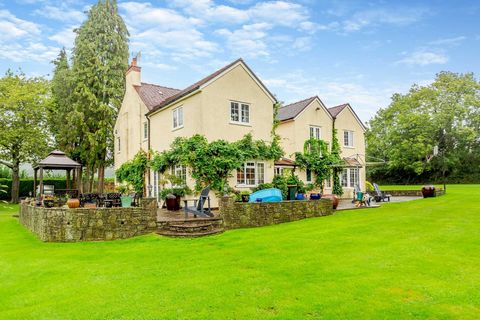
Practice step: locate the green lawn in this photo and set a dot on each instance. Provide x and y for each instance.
(419, 259)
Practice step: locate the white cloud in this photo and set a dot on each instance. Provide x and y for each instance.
(66, 37)
(375, 17)
(249, 41)
(448, 41)
(13, 27)
(161, 29)
(61, 13)
(302, 44)
(279, 13)
(32, 51)
(423, 58)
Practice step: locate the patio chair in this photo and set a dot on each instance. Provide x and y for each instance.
(380, 195)
(113, 200)
(135, 199)
(198, 208)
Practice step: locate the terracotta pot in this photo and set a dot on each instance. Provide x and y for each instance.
(90, 205)
(73, 203)
(332, 197)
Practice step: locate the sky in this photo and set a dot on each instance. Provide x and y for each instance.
(360, 52)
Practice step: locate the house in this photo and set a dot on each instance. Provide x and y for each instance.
(227, 104)
(310, 118)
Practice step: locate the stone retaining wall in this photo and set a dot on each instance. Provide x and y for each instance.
(242, 215)
(411, 193)
(66, 225)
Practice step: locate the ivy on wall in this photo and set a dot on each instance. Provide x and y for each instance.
(337, 186)
(212, 163)
(133, 171)
(316, 158)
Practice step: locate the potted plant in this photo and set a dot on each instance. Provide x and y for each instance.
(245, 196)
(173, 196)
(125, 199)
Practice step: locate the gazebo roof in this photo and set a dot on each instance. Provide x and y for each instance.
(57, 160)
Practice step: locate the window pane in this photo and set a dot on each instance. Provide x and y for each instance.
(344, 178)
(318, 134)
(234, 112)
(311, 132)
(245, 113)
(175, 121)
(309, 175)
(180, 117)
(241, 175)
(260, 173)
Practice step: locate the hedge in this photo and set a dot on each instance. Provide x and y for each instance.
(26, 186)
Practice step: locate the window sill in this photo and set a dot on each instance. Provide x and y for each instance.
(177, 128)
(241, 123)
(349, 147)
(246, 186)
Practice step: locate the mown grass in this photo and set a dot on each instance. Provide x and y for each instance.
(417, 259)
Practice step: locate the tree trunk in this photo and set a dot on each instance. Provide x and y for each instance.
(91, 179)
(86, 183)
(101, 179)
(15, 182)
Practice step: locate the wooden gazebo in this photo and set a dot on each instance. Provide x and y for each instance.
(57, 160)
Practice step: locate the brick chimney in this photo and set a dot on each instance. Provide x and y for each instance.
(133, 75)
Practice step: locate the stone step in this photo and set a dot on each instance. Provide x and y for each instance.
(176, 234)
(191, 227)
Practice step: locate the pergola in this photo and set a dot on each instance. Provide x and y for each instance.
(57, 160)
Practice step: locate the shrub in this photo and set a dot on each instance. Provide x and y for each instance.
(26, 186)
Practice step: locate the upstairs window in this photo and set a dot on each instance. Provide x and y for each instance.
(145, 130)
(348, 138)
(239, 112)
(118, 144)
(178, 117)
(315, 132)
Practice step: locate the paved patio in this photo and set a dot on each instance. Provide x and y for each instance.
(165, 215)
(347, 204)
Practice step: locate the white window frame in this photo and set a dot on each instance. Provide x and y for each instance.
(145, 130)
(118, 145)
(179, 170)
(328, 183)
(349, 177)
(177, 118)
(259, 173)
(348, 138)
(242, 113)
(315, 132)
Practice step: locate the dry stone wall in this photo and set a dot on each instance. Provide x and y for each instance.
(242, 215)
(97, 224)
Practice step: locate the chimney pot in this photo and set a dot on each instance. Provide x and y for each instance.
(134, 62)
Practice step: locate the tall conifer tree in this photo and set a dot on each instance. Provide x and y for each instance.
(100, 59)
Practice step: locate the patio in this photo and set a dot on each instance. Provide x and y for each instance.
(347, 204)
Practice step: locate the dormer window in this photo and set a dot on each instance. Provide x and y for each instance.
(239, 112)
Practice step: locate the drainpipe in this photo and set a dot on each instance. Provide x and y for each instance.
(148, 153)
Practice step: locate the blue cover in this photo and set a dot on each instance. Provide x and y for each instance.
(267, 195)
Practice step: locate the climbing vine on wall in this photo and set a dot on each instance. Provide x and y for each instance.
(212, 163)
(337, 160)
(133, 171)
(317, 158)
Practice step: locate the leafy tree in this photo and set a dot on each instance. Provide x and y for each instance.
(444, 114)
(24, 136)
(100, 59)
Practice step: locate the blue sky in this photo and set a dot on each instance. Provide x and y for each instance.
(344, 51)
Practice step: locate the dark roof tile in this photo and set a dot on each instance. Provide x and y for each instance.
(152, 94)
(292, 110)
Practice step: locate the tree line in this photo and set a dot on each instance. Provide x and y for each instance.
(428, 133)
(76, 110)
